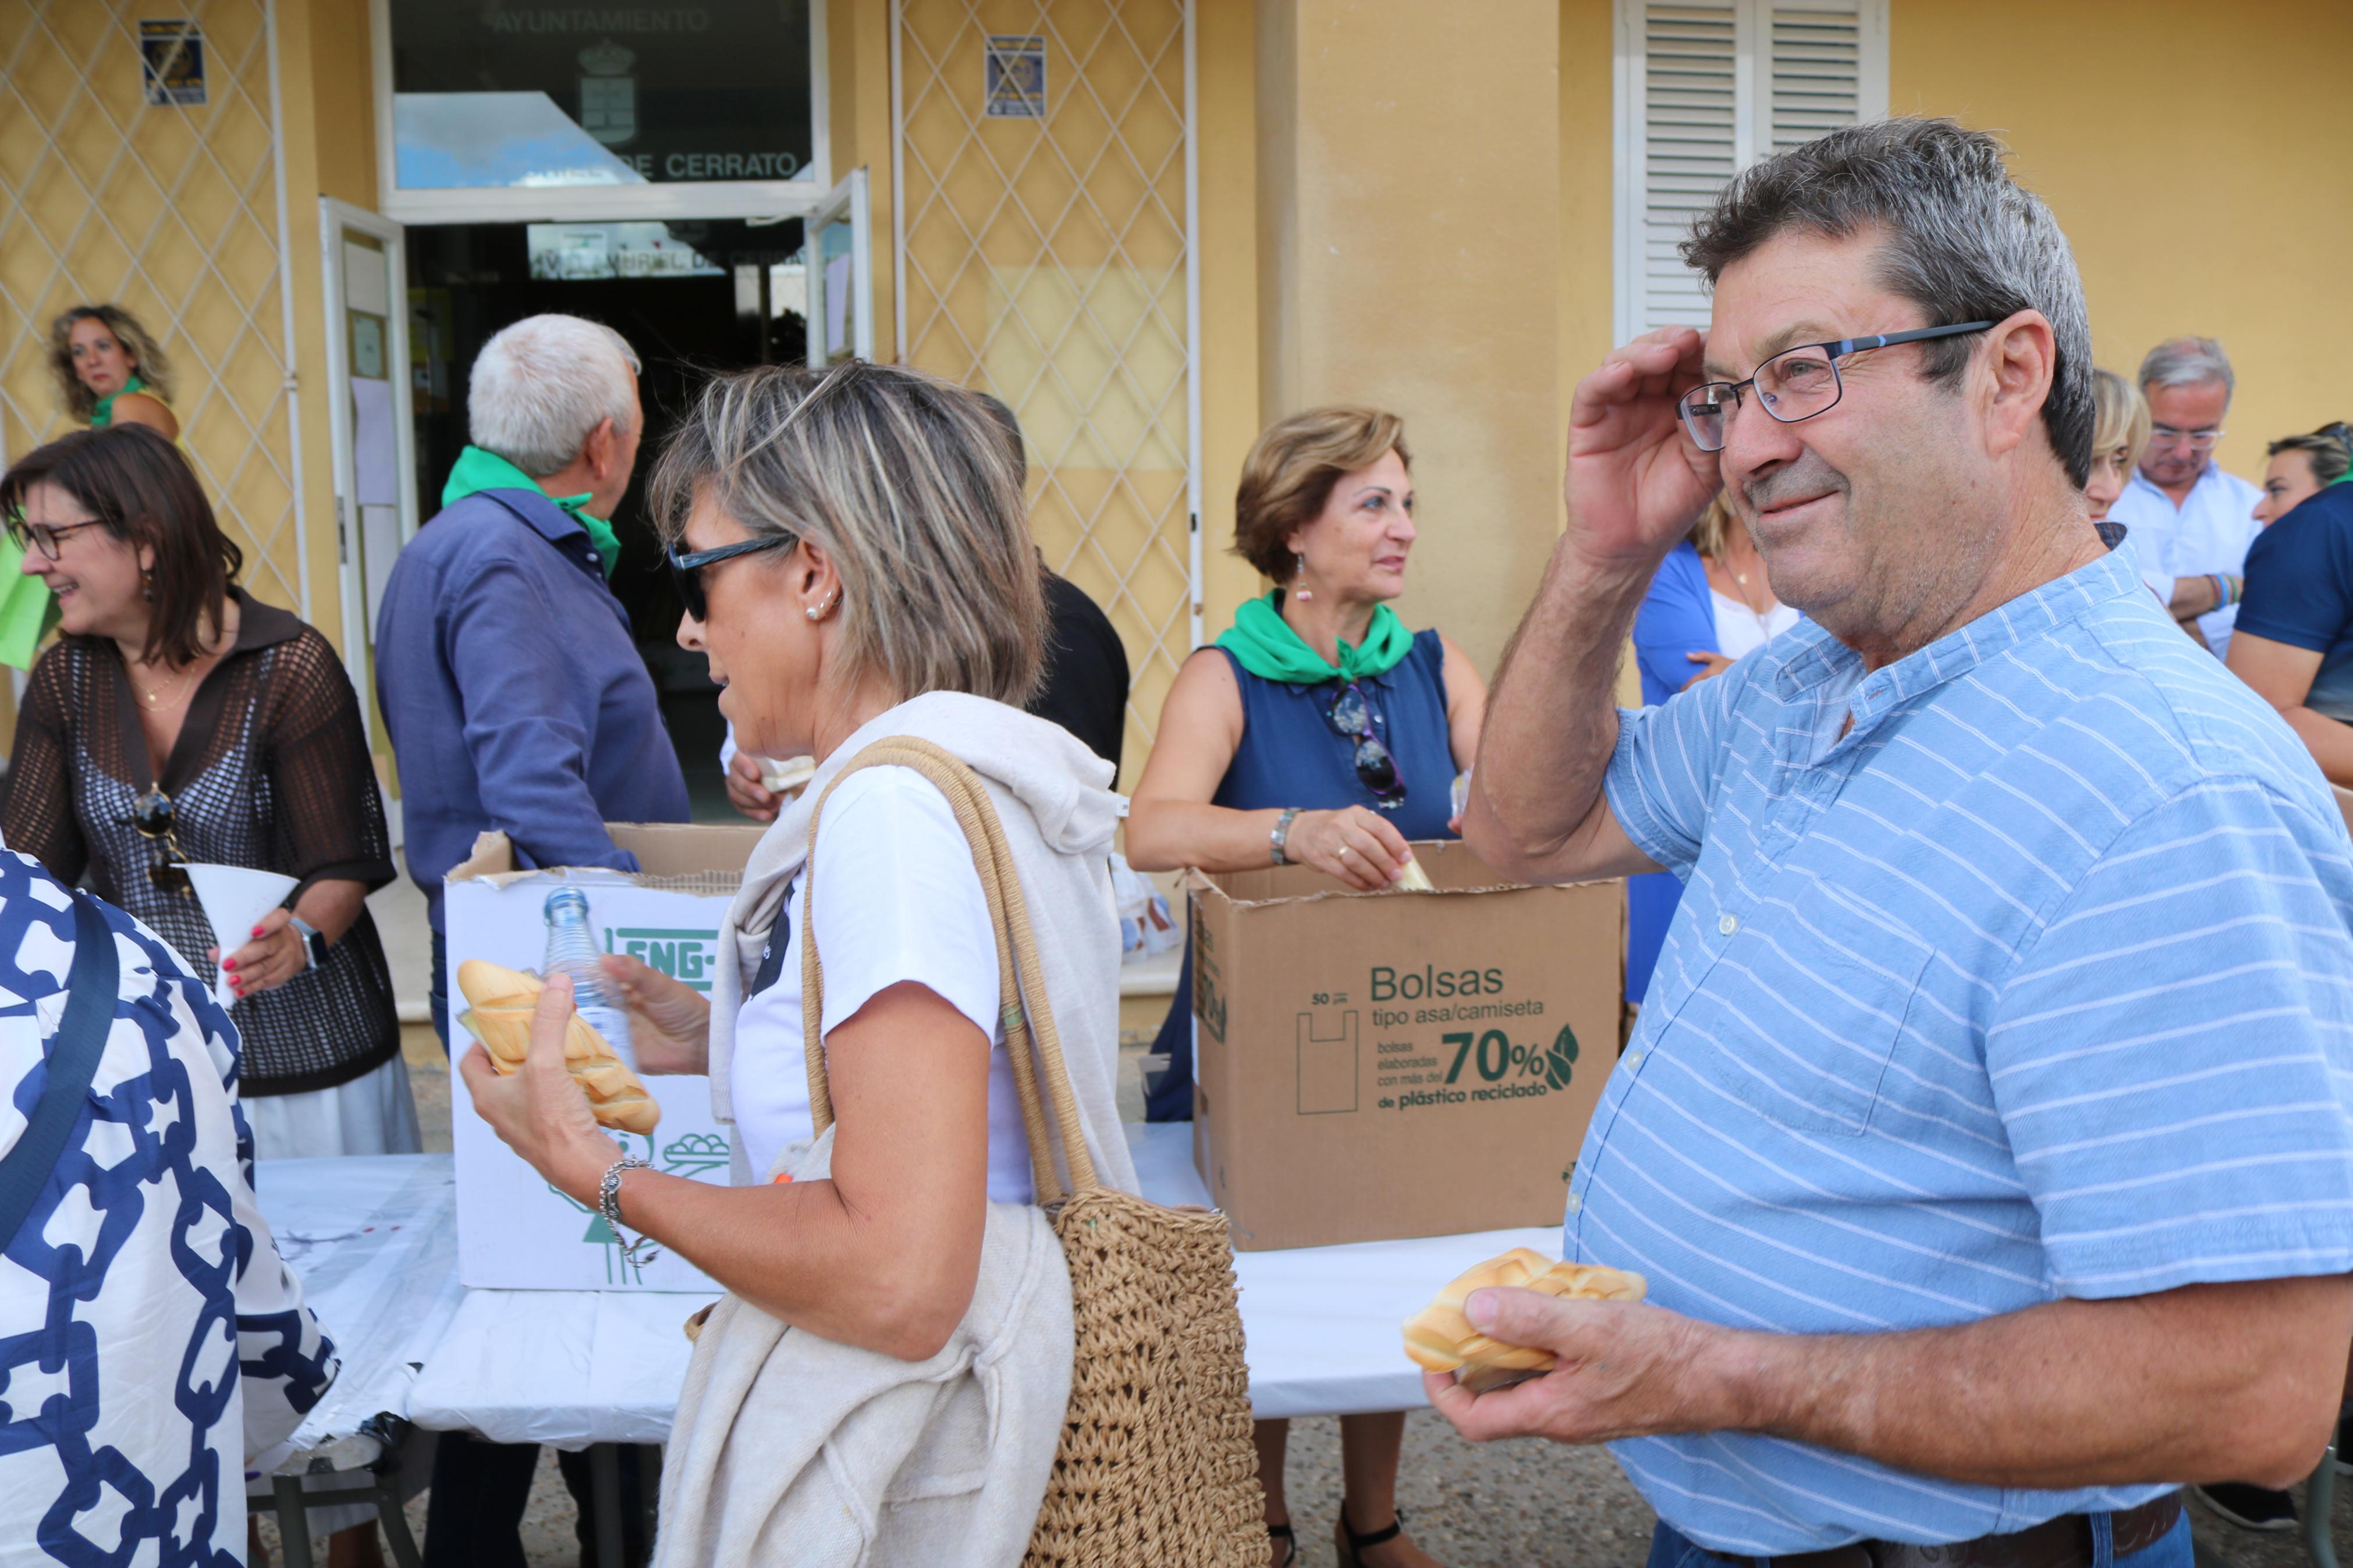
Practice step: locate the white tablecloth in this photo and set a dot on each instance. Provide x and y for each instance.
(374, 1240)
(573, 1368)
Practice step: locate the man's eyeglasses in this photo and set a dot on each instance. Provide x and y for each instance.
(686, 571)
(2196, 440)
(1795, 384)
(1351, 718)
(152, 815)
(44, 535)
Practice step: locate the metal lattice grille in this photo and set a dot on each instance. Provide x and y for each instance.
(1044, 261)
(168, 212)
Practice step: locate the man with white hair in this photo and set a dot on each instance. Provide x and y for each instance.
(516, 701)
(2189, 521)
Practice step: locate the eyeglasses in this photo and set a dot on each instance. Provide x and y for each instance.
(44, 535)
(686, 571)
(2196, 440)
(1795, 384)
(152, 815)
(1351, 718)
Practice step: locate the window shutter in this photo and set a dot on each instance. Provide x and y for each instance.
(1689, 136)
(1815, 81)
(1707, 87)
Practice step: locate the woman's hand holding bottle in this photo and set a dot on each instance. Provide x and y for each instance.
(670, 1020)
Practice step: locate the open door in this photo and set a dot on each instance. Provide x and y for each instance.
(841, 274)
(366, 278)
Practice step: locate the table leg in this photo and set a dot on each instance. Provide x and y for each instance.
(394, 1520)
(2319, 1503)
(650, 1464)
(605, 1492)
(293, 1522)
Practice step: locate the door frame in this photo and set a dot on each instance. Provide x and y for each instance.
(359, 632)
(850, 202)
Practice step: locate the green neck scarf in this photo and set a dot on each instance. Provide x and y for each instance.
(477, 470)
(101, 413)
(1266, 645)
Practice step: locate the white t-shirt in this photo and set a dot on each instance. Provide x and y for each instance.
(1741, 631)
(897, 900)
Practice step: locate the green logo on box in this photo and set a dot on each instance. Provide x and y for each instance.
(1561, 1059)
(686, 955)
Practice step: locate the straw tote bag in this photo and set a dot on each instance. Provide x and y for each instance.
(1154, 1464)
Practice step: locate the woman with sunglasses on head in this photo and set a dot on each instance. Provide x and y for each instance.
(1318, 732)
(177, 719)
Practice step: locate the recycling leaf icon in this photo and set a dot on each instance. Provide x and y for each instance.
(1561, 1060)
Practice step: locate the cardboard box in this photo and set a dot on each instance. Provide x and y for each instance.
(515, 1231)
(1375, 1065)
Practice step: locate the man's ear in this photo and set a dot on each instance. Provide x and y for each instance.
(2022, 360)
(602, 448)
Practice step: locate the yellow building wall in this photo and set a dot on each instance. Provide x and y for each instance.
(1410, 184)
(2193, 155)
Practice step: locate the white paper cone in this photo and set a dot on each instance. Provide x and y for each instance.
(234, 897)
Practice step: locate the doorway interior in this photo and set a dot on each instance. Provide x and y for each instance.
(693, 297)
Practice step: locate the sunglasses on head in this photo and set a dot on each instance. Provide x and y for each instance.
(686, 571)
(1351, 718)
(152, 815)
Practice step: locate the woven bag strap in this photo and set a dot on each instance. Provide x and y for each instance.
(1020, 973)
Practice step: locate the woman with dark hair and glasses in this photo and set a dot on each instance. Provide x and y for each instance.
(1319, 731)
(177, 719)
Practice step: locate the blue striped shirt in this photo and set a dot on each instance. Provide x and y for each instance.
(2036, 982)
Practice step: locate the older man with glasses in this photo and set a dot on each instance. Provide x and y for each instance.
(2189, 523)
(1985, 1137)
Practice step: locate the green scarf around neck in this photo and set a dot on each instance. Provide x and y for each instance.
(476, 470)
(101, 413)
(1266, 645)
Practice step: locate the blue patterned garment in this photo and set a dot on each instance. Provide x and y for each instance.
(2037, 982)
(151, 1338)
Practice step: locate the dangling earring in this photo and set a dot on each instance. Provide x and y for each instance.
(1303, 595)
(147, 586)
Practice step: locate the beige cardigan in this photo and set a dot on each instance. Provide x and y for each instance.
(789, 1448)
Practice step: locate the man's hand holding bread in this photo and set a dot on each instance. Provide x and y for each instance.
(1521, 1347)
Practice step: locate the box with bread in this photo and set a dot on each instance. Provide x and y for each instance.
(1370, 1067)
(515, 1231)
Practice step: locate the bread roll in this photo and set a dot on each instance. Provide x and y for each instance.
(504, 1001)
(1440, 1338)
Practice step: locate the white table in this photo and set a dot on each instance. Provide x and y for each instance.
(575, 1368)
(375, 1242)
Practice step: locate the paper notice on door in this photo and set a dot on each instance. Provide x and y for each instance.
(375, 451)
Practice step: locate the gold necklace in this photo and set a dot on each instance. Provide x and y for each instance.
(153, 700)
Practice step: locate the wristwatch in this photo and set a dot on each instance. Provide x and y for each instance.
(314, 941)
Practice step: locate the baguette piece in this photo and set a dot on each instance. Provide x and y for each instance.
(1440, 1338)
(503, 1001)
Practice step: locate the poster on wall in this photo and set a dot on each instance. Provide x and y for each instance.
(1014, 85)
(172, 61)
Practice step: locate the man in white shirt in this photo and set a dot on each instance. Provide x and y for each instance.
(2189, 523)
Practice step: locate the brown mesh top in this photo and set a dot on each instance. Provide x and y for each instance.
(272, 771)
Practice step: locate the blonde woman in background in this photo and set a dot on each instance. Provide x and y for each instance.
(2119, 435)
(111, 370)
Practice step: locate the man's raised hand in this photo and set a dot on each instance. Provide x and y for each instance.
(1635, 480)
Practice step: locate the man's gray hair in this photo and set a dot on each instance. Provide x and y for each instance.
(2188, 362)
(1965, 242)
(543, 383)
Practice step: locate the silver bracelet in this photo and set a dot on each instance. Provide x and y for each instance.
(609, 1204)
(1280, 837)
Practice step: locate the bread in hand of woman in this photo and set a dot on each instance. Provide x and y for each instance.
(1439, 1337)
(503, 1002)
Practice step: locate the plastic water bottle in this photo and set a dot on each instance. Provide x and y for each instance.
(571, 950)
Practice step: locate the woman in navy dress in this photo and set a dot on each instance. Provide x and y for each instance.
(1318, 732)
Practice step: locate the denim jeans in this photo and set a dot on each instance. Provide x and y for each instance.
(1670, 1549)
